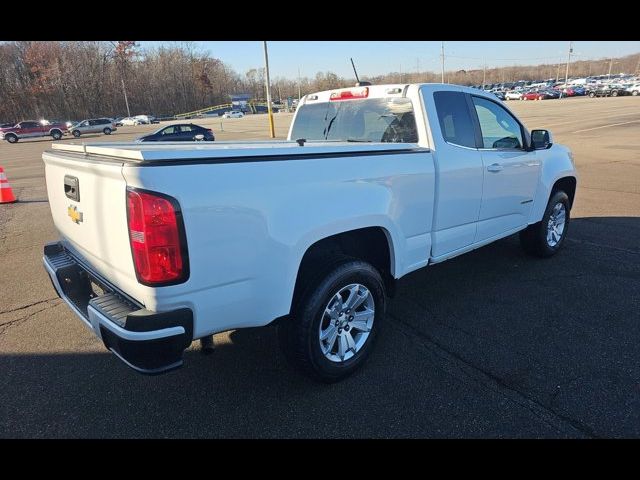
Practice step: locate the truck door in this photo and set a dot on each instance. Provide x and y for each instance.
(459, 170)
(93, 126)
(30, 129)
(510, 172)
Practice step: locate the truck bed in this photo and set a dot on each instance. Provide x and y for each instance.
(223, 152)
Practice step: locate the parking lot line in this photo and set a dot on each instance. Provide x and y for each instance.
(602, 114)
(605, 126)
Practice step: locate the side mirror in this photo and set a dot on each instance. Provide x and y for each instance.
(199, 137)
(541, 139)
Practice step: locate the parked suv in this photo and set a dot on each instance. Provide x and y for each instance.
(608, 91)
(95, 125)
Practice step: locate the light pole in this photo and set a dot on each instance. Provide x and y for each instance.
(442, 58)
(272, 132)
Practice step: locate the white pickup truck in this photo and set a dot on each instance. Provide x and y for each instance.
(162, 244)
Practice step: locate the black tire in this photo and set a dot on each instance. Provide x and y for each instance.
(56, 134)
(107, 131)
(76, 133)
(299, 335)
(592, 94)
(11, 138)
(534, 238)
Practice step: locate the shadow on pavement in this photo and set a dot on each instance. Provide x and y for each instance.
(491, 344)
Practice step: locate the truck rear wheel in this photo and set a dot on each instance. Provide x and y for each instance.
(545, 238)
(335, 319)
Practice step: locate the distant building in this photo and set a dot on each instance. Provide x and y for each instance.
(239, 102)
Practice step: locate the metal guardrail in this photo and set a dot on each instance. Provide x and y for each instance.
(252, 106)
(204, 110)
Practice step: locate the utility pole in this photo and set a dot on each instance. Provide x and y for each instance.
(566, 75)
(124, 90)
(442, 58)
(272, 131)
(610, 65)
(298, 84)
(484, 73)
(120, 57)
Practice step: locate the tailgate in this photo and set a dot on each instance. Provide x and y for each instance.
(88, 206)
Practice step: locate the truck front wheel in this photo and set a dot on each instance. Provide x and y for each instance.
(56, 134)
(335, 320)
(11, 138)
(545, 238)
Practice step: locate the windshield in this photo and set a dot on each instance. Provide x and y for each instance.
(370, 120)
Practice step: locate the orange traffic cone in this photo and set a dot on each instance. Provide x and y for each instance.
(6, 194)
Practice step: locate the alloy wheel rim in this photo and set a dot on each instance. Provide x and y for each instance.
(346, 322)
(556, 224)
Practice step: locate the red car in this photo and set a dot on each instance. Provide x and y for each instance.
(535, 96)
(33, 129)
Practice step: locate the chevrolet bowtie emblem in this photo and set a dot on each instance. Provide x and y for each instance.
(74, 214)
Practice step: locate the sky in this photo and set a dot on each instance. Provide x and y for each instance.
(379, 57)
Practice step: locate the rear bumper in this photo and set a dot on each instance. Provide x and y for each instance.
(149, 342)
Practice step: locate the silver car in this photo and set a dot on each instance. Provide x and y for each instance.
(94, 125)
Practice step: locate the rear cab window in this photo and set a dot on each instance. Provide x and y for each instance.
(389, 119)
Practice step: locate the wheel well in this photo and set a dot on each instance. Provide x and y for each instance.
(368, 244)
(568, 185)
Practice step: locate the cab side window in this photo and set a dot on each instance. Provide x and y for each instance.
(500, 130)
(455, 119)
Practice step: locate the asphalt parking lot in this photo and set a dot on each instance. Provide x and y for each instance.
(490, 344)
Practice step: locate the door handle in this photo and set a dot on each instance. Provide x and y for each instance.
(495, 168)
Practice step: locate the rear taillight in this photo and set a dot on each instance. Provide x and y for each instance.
(158, 242)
